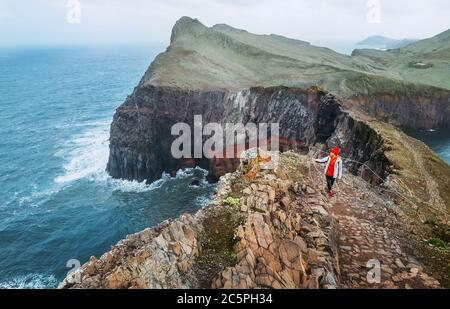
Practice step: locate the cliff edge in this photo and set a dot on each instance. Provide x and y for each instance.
(393, 205)
(274, 230)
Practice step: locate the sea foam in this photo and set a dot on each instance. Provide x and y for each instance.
(86, 157)
(30, 281)
(86, 154)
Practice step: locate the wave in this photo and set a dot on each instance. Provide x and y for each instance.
(189, 172)
(87, 157)
(137, 187)
(203, 201)
(140, 187)
(87, 154)
(30, 281)
(92, 124)
(36, 198)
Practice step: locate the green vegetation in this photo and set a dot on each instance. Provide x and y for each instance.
(437, 242)
(231, 201)
(217, 244)
(222, 57)
(425, 62)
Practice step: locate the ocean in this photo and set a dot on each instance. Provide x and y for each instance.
(439, 141)
(57, 203)
(344, 47)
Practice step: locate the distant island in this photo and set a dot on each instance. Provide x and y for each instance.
(385, 42)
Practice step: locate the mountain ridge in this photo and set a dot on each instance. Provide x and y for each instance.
(225, 57)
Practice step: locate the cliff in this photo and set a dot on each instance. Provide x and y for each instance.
(222, 57)
(283, 224)
(220, 72)
(228, 59)
(276, 230)
(141, 131)
(283, 233)
(266, 239)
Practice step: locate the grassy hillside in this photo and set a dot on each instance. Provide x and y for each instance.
(222, 57)
(421, 182)
(426, 62)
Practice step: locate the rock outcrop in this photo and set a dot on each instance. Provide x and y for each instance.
(271, 239)
(282, 233)
(414, 111)
(141, 131)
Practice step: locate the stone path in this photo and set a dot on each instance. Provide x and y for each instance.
(370, 233)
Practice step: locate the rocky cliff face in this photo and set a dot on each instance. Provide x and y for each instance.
(414, 111)
(281, 232)
(141, 131)
(228, 75)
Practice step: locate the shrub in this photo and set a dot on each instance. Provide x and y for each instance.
(437, 242)
(231, 201)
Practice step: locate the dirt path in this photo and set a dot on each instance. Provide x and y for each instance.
(369, 233)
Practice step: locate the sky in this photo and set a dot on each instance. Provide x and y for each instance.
(70, 22)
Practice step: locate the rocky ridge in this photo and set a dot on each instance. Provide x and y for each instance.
(283, 233)
(223, 58)
(272, 244)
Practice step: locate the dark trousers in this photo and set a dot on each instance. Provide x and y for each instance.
(330, 183)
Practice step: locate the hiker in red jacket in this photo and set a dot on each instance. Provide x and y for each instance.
(333, 170)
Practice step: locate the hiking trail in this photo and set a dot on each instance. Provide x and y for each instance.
(368, 229)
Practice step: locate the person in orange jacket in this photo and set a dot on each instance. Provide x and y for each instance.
(333, 169)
